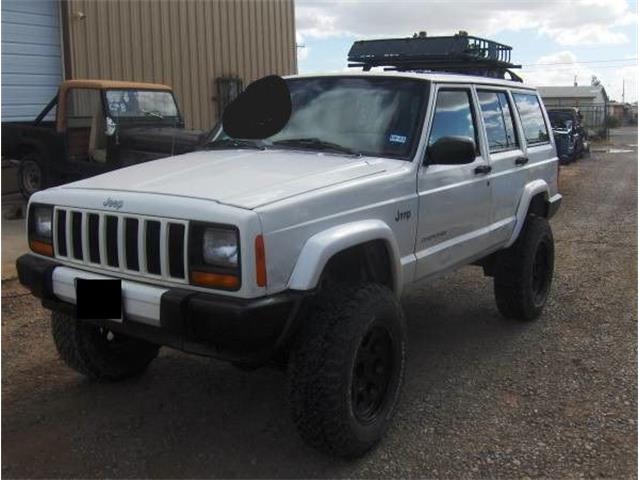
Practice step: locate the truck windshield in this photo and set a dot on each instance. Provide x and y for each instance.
(374, 116)
(560, 119)
(141, 104)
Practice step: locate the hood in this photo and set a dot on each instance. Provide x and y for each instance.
(242, 178)
(159, 138)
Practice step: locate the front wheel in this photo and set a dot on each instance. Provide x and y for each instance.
(346, 369)
(97, 352)
(524, 272)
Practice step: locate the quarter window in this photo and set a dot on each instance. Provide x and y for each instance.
(453, 116)
(498, 121)
(535, 129)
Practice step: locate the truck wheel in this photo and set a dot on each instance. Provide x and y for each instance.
(31, 175)
(524, 272)
(346, 369)
(99, 353)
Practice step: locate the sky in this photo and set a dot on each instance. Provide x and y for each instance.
(556, 41)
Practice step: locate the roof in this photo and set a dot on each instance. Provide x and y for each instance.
(426, 76)
(570, 91)
(115, 84)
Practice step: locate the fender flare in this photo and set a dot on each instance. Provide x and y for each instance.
(530, 190)
(321, 247)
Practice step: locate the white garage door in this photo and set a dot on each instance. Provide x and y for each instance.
(31, 57)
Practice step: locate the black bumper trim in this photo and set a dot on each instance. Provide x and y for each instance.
(247, 331)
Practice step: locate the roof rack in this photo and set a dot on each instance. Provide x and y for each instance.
(460, 53)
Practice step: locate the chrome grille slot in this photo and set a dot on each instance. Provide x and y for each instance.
(133, 244)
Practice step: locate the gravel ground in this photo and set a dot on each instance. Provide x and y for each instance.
(483, 398)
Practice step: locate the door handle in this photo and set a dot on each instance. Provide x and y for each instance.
(482, 169)
(522, 161)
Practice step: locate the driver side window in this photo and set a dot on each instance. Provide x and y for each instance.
(453, 116)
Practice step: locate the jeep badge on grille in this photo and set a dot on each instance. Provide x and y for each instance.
(111, 203)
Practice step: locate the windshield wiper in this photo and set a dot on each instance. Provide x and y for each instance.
(235, 143)
(316, 144)
(154, 114)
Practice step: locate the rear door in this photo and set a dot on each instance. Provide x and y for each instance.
(508, 159)
(454, 200)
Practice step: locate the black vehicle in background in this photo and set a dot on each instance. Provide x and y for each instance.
(571, 137)
(99, 125)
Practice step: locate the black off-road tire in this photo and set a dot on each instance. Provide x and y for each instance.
(524, 272)
(353, 341)
(98, 353)
(32, 175)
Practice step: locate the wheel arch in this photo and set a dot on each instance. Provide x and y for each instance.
(321, 248)
(534, 199)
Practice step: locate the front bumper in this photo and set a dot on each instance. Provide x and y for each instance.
(249, 332)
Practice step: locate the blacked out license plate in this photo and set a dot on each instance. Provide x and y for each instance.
(98, 299)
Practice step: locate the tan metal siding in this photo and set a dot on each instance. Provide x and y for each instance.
(185, 44)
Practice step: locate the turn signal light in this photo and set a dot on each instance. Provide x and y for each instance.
(261, 262)
(42, 248)
(215, 280)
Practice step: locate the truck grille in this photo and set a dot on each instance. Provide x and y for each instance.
(134, 244)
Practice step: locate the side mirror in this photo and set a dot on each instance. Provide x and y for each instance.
(260, 111)
(451, 151)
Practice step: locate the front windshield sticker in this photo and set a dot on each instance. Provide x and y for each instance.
(393, 138)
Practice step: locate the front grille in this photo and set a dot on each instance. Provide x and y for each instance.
(134, 244)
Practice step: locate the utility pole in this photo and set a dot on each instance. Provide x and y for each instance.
(623, 91)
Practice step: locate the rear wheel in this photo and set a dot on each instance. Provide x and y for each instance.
(98, 352)
(346, 369)
(524, 272)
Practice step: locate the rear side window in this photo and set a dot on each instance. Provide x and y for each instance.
(530, 110)
(498, 121)
(453, 116)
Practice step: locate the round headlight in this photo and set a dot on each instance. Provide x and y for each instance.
(220, 247)
(42, 221)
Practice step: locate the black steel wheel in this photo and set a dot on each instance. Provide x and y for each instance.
(372, 374)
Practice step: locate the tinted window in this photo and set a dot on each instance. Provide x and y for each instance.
(498, 121)
(535, 130)
(453, 116)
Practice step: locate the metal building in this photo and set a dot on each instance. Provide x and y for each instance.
(204, 49)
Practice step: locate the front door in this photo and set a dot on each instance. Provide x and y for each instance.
(84, 133)
(454, 200)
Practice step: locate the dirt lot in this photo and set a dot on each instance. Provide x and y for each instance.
(484, 397)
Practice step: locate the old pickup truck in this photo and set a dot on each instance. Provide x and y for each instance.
(98, 126)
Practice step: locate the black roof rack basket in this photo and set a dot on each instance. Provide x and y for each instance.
(459, 53)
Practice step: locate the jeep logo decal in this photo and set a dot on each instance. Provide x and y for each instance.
(406, 215)
(110, 203)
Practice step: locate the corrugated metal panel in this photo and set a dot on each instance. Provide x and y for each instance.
(31, 57)
(185, 44)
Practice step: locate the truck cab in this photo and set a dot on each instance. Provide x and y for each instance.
(98, 125)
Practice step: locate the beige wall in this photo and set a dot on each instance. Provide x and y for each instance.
(183, 43)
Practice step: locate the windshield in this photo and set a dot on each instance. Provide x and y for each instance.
(560, 119)
(141, 104)
(373, 116)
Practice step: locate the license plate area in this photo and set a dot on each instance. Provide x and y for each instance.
(98, 299)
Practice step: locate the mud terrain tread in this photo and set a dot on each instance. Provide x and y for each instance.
(74, 342)
(316, 383)
(511, 289)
